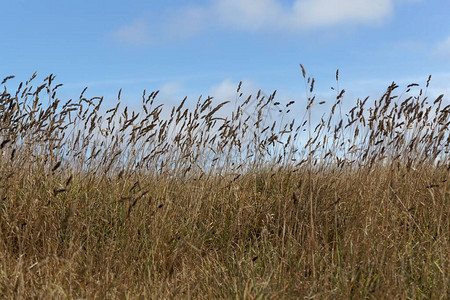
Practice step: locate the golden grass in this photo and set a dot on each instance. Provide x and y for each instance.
(123, 204)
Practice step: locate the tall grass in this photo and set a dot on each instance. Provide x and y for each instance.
(216, 203)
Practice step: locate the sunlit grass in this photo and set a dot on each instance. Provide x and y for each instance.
(112, 203)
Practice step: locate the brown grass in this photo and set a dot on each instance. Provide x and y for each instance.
(112, 203)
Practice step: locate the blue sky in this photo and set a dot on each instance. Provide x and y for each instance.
(208, 46)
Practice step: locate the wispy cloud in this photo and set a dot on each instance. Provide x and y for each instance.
(225, 90)
(302, 14)
(443, 49)
(185, 22)
(137, 33)
(325, 13)
(253, 16)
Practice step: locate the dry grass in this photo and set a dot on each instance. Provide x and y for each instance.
(112, 203)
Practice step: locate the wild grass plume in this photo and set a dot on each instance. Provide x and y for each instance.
(249, 198)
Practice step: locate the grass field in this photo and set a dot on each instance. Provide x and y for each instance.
(224, 200)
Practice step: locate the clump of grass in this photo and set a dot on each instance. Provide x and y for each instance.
(208, 202)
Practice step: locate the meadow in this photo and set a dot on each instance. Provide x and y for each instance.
(238, 199)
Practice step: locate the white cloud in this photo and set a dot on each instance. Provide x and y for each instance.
(302, 14)
(258, 15)
(227, 90)
(247, 13)
(185, 23)
(440, 84)
(323, 13)
(136, 33)
(171, 92)
(443, 48)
